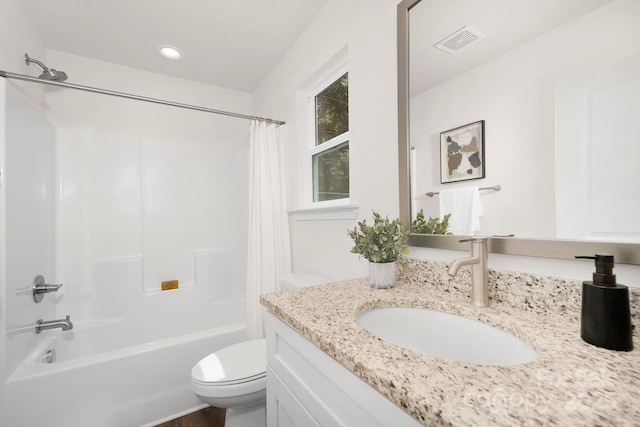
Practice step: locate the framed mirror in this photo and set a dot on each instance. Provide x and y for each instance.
(554, 91)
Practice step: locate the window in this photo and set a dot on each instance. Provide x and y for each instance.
(330, 149)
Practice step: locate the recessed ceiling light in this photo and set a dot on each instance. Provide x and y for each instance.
(169, 51)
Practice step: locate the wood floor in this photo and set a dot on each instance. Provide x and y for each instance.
(207, 417)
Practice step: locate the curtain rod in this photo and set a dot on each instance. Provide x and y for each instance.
(8, 75)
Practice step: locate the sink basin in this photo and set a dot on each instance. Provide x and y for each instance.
(447, 336)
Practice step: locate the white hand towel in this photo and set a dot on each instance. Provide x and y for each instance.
(464, 206)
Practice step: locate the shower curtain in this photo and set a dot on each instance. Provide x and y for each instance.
(269, 252)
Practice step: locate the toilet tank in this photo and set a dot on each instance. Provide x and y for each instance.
(301, 280)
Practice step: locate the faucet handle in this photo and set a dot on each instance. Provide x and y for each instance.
(475, 239)
(40, 288)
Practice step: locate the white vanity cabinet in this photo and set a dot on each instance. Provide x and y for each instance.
(306, 387)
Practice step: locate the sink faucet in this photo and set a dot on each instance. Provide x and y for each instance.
(479, 274)
(64, 324)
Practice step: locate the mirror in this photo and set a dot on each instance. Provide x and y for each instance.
(542, 88)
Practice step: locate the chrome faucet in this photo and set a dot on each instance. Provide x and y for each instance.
(479, 273)
(64, 324)
(40, 288)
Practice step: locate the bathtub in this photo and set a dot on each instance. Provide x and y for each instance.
(92, 384)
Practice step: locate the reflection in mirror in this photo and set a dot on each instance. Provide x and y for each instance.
(558, 93)
(541, 75)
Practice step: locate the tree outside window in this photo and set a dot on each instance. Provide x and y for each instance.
(330, 157)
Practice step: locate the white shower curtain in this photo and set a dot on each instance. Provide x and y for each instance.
(269, 252)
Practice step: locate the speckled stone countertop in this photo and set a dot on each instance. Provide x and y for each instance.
(569, 383)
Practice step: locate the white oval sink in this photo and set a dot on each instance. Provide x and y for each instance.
(446, 335)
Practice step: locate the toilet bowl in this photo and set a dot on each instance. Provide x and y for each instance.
(235, 377)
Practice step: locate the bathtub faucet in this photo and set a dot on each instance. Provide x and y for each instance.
(64, 324)
(40, 287)
(479, 274)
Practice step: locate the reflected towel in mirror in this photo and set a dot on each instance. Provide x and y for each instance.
(464, 206)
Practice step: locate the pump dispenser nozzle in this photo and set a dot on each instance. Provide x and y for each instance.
(606, 317)
(604, 269)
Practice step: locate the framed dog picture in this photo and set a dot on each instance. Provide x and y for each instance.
(462, 153)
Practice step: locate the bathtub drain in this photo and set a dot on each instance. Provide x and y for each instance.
(49, 356)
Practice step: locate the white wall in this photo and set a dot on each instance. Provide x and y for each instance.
(17, 37)
(596, 128)
(515, 95)
(28, 183)
(70, 108)
(149, 193)
(366, 28)
(134, 211)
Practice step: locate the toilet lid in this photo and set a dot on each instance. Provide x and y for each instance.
(242, 362)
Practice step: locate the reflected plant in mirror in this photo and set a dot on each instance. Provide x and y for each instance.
(430, 226)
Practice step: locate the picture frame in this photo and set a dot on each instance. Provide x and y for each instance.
(462, 153)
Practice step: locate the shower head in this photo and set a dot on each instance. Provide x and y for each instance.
(51, 74)
(47, 73)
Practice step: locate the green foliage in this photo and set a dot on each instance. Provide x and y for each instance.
(384, 241)
(332, 110)
(431, 226)
(331, 167)
(333, 174)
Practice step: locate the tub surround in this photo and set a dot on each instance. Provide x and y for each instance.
(570, 383)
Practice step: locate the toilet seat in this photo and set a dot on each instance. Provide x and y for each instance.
(239, 368)
(228, 383)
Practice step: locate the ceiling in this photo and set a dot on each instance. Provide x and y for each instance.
(230, 43)
(506, 24)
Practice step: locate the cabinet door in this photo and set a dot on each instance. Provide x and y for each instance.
(310, 388)
(283, 409)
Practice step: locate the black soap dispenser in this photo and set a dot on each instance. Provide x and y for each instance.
(606, 318)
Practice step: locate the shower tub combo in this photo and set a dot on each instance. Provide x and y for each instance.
(127, 358)
(80, 378)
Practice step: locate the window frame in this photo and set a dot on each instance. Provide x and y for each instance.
(312, 149)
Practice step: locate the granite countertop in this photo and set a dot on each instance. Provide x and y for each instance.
(570, 382)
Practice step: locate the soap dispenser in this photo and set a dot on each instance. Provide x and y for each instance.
(606, 318)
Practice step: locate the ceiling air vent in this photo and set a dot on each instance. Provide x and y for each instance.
(459, 40)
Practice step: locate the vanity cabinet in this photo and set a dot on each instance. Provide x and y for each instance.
(306, 387)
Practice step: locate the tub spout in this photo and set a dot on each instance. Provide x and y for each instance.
(64, 324)
(479, 273)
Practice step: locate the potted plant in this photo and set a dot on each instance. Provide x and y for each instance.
(381, 244)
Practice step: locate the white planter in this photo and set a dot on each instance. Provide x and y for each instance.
(382, 275)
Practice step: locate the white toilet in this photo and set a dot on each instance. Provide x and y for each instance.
(235, 377)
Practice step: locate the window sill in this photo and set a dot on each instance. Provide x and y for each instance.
(324, 213)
